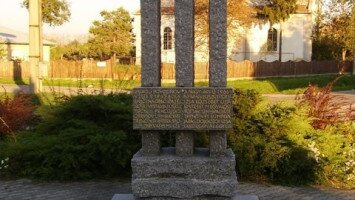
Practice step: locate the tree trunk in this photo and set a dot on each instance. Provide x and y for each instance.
(343, 55)
(113, 64)
(280, 43)
(343, 59)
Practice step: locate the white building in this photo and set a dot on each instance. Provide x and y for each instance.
(16, 45)
(258, 42)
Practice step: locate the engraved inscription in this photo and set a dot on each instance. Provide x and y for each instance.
(182, 108)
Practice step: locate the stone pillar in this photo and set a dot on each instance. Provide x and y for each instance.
(184, 48)
(184, 143)
(151, 62)
(151, 58)
(151, 143)
(218, 143)
(218, 65)
(218, 43)
(184, 42)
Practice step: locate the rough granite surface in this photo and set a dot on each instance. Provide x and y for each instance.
(218, 43)
(151, 143)
(168, 165)
(183, 188)
(236, 197)
(184, 143)
(188, 108)
(218, 143)
(151, 51)
(184, 43)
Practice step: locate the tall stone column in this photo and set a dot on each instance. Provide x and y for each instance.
(184, 48)
(218, 65)
(151, 62)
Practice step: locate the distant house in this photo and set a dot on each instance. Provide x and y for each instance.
(258, 42)
(16, 45)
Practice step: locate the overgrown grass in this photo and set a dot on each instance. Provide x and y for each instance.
(284, 85)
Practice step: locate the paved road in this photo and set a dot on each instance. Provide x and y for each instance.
(104, 190)
(349, 95)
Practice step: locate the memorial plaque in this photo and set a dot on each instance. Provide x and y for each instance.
(182, 108)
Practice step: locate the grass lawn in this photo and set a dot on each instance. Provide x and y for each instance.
(289, 85)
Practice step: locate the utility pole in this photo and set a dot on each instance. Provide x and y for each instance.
(35, 48)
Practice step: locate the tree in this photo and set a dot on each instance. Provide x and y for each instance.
(72, 51)
(335, 39)
(278, 11)
(3, 51)
(112, 36)
(54, 12)
(239, 14)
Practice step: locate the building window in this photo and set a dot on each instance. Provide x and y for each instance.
(168, 43)
(272, 40)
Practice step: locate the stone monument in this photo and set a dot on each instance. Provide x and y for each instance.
(183, 172)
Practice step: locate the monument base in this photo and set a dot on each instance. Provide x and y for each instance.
(236, 197)
(197, 177)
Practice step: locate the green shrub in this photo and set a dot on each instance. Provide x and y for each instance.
(84, 137)
(335, 149)
(261, 142)
(91, 137)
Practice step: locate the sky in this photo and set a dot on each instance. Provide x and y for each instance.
(14, 16)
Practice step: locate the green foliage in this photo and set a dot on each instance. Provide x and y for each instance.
(334, 148)
(54, 12)
(84, 137)
(92, 137)
(278, 144)
(3, 51)
(334, 36)
(262, 145)
(325, 48)
(350, 37)
(278, 10)
(112, 35)
(72, 51)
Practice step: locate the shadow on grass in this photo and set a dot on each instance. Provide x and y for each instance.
(17, 73)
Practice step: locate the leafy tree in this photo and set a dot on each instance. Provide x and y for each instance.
(72, 51)
(335, 38)
(112, 36)
(278, 11)
(239, 14)
(54, 12)
(3, 51)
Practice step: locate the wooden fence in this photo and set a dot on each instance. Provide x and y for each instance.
(246, 69)
(261, 69)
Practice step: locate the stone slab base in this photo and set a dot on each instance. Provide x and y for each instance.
(198, 166)
(236, 197)
(172, 176)
(184, 188)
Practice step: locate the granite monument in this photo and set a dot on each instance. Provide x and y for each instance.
(183, 172)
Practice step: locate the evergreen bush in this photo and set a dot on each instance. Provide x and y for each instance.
(85, 137)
